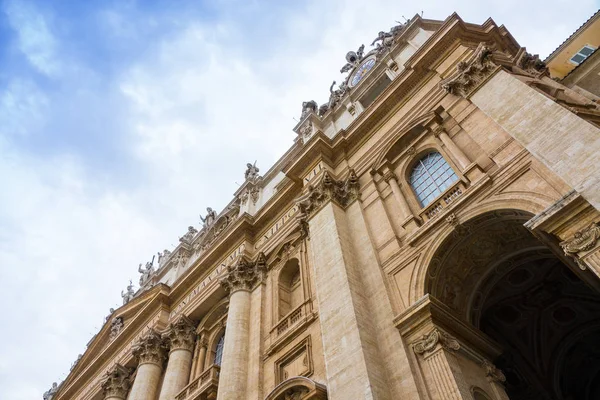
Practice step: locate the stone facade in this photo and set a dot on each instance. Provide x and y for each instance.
(433, 233)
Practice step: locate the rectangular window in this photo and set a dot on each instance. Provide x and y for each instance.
(582, 54)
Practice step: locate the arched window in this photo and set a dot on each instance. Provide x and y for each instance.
(430, 177)
(219, 350)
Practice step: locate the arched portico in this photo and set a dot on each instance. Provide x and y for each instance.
(496, 296)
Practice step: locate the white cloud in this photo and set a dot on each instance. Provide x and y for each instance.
(199, 103)
(36, 40)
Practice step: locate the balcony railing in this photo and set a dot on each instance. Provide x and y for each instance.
(443, 201)
(291, 319)
(204, 387)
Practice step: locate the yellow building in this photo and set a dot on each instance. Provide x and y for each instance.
(432, 233)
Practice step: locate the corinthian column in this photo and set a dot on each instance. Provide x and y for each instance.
(239, 281)
(116, 384)
(180, 336)
(150, 351)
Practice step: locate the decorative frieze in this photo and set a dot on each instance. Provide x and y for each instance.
(244, 274)
(471, 74)
(151, 348)
(583, 240)
(343, 192)
(180, 334)
(117, 382)
(429, 342)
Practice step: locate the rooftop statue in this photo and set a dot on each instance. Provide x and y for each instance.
(308, 107)
(51, 392)
(147, 272)
(189, 235)
(162, 257)
(251, 172)
(353, 58)
(210, 218)
(128, 295)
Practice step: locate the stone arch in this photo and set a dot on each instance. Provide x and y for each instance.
(527, 205)
(298, 388)
(504, 283)
(479, 394)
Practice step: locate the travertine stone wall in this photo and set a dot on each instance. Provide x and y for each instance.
(564, 142)
(352, 360)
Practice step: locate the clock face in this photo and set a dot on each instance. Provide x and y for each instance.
(362, 71)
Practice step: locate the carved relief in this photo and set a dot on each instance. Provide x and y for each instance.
(116, 326)
(531, 63)
(469, 75)
(180, 334)
(429, 342)
(117, 382)
(493, 373)
(151, 348)
(244, 275)
(583, 240)
(343, 192)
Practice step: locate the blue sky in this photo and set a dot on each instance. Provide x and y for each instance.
(120, 121)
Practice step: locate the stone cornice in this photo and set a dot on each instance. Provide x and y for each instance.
(180, 334)
(150, 349)
(117, 382)
(244, 274)
(342, 192)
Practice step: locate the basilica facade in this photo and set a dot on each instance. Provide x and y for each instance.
(432, 233)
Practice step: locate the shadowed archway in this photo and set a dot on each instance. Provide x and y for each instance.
(496, 275)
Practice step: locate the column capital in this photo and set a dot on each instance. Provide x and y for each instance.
(150, 349)
(390, 176)
(116, 384)
(582, 241)
(343, 192)
(493, 373)
(244, 274)
(429, 342)
(180, 335)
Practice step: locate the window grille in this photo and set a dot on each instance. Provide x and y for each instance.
(219, 350)
(431, 177)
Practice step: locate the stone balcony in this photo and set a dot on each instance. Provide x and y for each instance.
(294, 321)
(204, 387)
